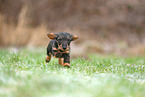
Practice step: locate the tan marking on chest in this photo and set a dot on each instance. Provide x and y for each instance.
(55, 48)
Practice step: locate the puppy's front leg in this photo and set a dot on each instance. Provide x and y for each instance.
(60, 61)
(48, 58)
(66, 60)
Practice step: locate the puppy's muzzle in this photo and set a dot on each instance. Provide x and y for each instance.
(64, 47)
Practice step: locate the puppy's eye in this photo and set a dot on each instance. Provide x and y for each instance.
(59, 39)
(69, 40)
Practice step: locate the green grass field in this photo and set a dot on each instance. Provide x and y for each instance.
(25, 73)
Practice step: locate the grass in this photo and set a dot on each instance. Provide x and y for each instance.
(24, 73)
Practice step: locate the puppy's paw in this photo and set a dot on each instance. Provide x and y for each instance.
(66, 65)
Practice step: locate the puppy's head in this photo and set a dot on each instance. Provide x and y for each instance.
(63, 40)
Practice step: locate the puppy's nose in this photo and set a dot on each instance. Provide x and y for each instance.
(64, 47)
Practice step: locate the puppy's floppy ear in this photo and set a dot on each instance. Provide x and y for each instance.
(51, 35)
(74, 37)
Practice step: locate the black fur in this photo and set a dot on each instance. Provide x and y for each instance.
(60, 46)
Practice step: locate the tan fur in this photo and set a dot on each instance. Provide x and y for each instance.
(48, 58)
(66, 64)
(60, 61)
(60, 47)
(51, 35)
(74, 37)
(55, 49)
(66, 52)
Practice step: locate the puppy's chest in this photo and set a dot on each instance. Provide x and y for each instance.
(57, 53)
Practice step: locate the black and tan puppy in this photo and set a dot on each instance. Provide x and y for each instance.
(59, 47)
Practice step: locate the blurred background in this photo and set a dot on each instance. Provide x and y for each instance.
(104, 26)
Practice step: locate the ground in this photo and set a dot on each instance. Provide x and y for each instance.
(24, 73)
